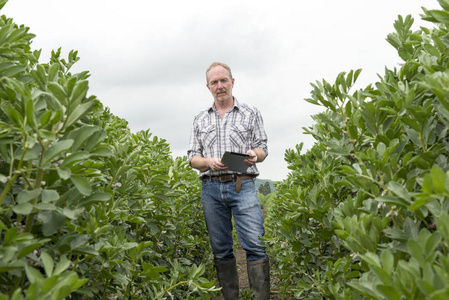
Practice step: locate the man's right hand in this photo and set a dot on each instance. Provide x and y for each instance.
(215, 164)
(203, 164)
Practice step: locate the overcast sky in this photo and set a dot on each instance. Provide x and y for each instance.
(147, 59)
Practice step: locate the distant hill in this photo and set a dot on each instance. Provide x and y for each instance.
(259, 182)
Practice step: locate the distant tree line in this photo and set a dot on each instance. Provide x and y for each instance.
(265, 188)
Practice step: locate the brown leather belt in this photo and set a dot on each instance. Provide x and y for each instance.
(236, 178)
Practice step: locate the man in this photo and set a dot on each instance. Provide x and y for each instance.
(228, 125)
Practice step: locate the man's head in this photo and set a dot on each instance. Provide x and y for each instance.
(216, 64)
(220, 81)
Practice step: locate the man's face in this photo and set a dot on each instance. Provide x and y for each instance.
(220, 83)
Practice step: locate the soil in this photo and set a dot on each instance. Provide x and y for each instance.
(241, 269)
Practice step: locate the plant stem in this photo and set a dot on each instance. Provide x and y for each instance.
(14, 178)
(173, 286)
(30, 217)
(37, 184)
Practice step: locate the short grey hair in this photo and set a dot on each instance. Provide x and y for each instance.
(216, 64)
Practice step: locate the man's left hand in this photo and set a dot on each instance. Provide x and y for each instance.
(251, 161)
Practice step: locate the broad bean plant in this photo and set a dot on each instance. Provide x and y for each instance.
(88, 210)
(364, 213)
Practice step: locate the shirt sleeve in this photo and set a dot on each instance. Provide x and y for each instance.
(259, 138)
(195, 146)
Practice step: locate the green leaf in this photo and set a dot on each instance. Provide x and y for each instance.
(416, 252)
(3, 179)
(61, 266)
(13, 70)
(392, 200)
(64, 172)
(79, 92)
(411, 229)
(78, 112)
(94, 140)
(440, 16)
(33, 275)
(48, 263)
(95, 198)
(58, 91)
(10, 267)
(371, 259)
(421, 200)
(439, 295)
(33, 153)
(49, 196)
(358, 168)
(28, 249)
(399, 190)
(10, 235)
(433, 242)
(75, 157)
(381, 274)
(80, 135)
(27, 196)
(347, 169)
(412, 123)
(51, 220)
(444, 4)
(103, 151)
(207, 285)
(14, 116)
(54, 103)
(82, 185)
(45, 118)
(387, 260)
(154, 272)
(120, 278)
(40, 76)
(30, 112)
(443, 225)
(49, 284)
(53, 72)
(389, 291)
(5, 66)
(23, 209)
(195, 271)
(55, 149)
(72, 214)
(86, 251)
(438, 179)
(45, 206)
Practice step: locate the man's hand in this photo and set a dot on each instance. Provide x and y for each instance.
(203, 164)
(252, 160)
(215, 164)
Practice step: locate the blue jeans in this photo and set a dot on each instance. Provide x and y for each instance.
(220, 203)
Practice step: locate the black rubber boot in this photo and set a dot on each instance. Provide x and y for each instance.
(259, 278)
(228, 278)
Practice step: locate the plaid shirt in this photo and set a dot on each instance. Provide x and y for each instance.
(240, 130)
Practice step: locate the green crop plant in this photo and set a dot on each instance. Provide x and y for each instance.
(88, 210)
(363, 214)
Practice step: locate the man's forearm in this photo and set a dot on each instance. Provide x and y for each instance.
(260, 154)
(200, 163)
